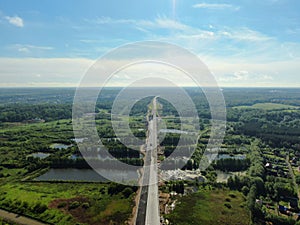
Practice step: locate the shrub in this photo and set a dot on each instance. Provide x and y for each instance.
(74, 205)
(39, 208)
(127, 192)
(227, 205)
(231, 195)
(86, 205)
(62, 205)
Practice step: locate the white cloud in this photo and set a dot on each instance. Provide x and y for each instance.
(243, 34)
(42, 71)
(182, 31)
(30, 48)
(15, 20)
(109, 20)
(265, 77)
(23, 49)
(240, 42)
(238, 72)
(162, 23)
(241, 75)
(215, 6)
(236, 76)
(179, 32)
(234, 42)
(38, 47)
(245, 76)
(68, 72)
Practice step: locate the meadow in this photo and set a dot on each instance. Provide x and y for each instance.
(210, 207)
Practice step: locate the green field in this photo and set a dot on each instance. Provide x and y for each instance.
(5, 222)
(67, 203)
(210, 208)
(267, 106)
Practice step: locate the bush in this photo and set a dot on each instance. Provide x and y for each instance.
(86, 205)
(228, 200)
(245, 190)
(227, 205)
(74, 205)
(39, 208)
(231, 195)
(127, 192)
(62, 205)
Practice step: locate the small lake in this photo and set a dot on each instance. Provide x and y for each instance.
(173, 131)
(74, 157)
(88, 175)
(227, 156)
(40, 155)
(60, 146)
(79, 140)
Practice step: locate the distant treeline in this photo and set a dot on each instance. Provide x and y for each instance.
(26, 112)
(277, 128)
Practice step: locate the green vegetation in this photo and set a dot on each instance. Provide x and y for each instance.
(59, 202)
(268, 106)
(263, 126)
(265, 130)
(211, 207)
(66, 203)
(6, 222)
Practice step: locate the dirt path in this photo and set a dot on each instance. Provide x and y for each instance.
(19, 219)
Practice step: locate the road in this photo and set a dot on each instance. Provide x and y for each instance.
(148, 210)
(18, 219)
(152, 212)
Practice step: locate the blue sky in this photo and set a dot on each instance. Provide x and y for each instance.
(244, 43)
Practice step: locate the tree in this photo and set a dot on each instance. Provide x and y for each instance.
(127, 192)
(251, 197)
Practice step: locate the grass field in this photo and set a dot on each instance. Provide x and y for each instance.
(268, 106)
(210, 208)
(67, 203)
(4, 222)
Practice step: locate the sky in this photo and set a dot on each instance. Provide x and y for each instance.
(243, 42)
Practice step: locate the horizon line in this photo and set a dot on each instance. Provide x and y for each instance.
(27, 87)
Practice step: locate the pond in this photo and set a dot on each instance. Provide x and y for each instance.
(173, 131)
(87, 175)
(60, 146)
(79, 140)
(227, 156)
(40, 155)
(74, 156)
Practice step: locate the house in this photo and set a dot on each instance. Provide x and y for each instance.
(294, 160)
(259, 201)
(268, 165)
